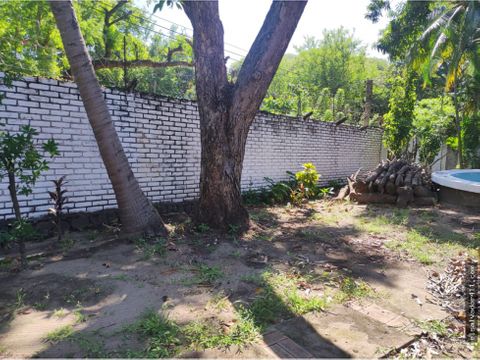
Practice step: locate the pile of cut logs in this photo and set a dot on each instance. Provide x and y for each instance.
(392, 182)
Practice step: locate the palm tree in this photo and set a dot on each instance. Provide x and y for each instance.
(451, 40)
(137, 213)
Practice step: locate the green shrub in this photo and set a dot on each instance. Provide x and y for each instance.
(308, 177)
(20, 230)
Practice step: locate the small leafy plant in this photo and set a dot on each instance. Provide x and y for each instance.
(299, 187)
(59, 199)
(22, 162)
(307, 180)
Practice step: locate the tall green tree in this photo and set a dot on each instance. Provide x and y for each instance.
(451, 40)
(398, 122)
(30, 44)
(337, 61)
(433, 125)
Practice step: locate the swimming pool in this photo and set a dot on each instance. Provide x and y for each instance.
(458, 187)
(465, 180)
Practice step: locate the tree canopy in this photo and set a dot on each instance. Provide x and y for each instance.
(114, 32)
(327, 77)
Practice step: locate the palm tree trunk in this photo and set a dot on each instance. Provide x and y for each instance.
(137, 213)
(458, 125)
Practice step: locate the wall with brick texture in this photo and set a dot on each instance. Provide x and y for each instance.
(161, 137)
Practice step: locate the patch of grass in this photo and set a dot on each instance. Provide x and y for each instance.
(219, 301)
(3, 350)
(373, 223)
(60, 334)
(253, 278)
(121, 277)
(200, 335)
(236, 254)
(166, 339)
(67, 242)
(434, 327)
(151, 247)
(416, 245)
(278, 297)
(80, 317)
(202, 228)
(261, 215)
(20, 295)
(427, 215)
(353, 289)
(205, 275)
(233, 229)
(90, 345)
(60, 313)
(92, 235)
(6, 264)
(163, 337)
(40, 306)
(327, 218)
(264, 237)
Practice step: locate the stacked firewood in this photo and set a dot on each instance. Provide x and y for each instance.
(394, 181)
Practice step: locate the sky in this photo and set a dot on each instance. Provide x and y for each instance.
(242, 20)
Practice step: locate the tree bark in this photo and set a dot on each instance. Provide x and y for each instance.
(458, 125)
(136, 212)
(227, 110)
(18, 216)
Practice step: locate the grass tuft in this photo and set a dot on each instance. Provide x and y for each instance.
(353, 289)
(60, 334)
(162, 335)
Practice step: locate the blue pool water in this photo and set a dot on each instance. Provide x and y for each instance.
(470, 176)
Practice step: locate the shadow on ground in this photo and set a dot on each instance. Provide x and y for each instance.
(114, 286)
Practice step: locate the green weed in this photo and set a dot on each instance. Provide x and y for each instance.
(353, 289)
(416, 245)
(60, 313)
(90, 345)
(202, 228)
(163, 336)
(20, 298)
(205, 275)
(278, 297)
(219, 301)
(60, 334)
(150, 248)
(434, 327)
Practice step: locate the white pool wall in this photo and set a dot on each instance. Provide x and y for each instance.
(447, 178)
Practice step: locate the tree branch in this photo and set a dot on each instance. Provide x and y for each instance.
(110, 64)
(264, 57)
(173, 51)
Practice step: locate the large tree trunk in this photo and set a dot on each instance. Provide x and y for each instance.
(137, 213)
(227, 110)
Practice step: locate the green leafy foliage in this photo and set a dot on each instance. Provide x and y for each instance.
(471, 138)
(31, 44)
(296, 189)
(20, 229)
(20, 156)
(434, 124)
(326, 77)
(398, 122)
(308, 179)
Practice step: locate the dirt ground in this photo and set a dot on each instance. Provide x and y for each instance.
(335, 278)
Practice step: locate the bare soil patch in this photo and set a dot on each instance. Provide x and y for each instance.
(217, 294)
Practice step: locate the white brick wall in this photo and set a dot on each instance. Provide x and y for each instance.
(161, 137)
